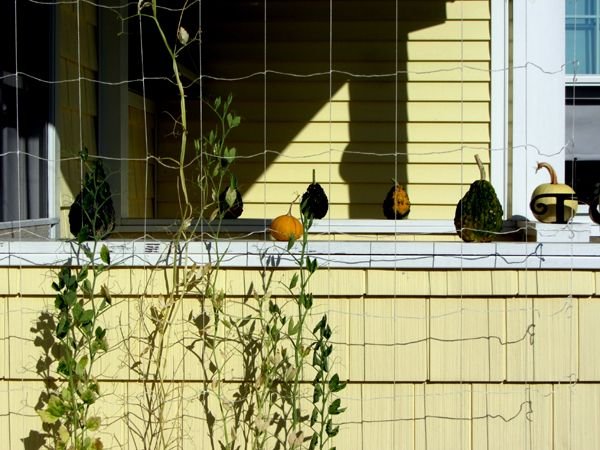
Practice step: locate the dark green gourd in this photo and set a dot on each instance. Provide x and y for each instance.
(92, 214)
(478, 215)
(314, 203)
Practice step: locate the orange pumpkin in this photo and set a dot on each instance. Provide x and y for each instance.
(286, 226)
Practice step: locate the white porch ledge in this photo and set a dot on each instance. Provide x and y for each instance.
(332, 254)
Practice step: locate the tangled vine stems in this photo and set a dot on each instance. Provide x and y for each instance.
(183, 280)
(174, 51)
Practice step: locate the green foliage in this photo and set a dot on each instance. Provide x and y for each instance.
(325, 385)
(218, 185)
(79, 341)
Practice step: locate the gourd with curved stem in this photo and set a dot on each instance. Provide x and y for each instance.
(478, 215)
(286, 226)
(553, 202)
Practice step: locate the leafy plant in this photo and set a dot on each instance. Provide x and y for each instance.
(80, 341)
(215, 158)
(325, 385)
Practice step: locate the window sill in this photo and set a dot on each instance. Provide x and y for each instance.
(330, 254)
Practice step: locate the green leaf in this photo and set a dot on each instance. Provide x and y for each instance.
(63, 327)
(55, 286)
(93, 423)
(59, 302)
(46, 416)
(330, 429)
(314, 441)
(81, 365)
(77, 312)
(100, 333)
(317, 393)
(314, 416)
(105, 254)
(83, 274)
(86, 317)
(88, 396)
(105, 293)
(63, 368)
(273, 308)
(71, 283)
(230, 196)
(293, 281)
(311, 265)
(70, 298)
(86, 288)
(293, 328)
(335, 407)
(55, 406)
(335, 385)
(291, 242)
(63, 434)
(320, 324)
(306, 300)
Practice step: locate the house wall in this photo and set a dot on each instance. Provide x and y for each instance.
(435, 359)
(342, 111)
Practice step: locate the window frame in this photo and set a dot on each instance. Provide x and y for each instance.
(51, 143)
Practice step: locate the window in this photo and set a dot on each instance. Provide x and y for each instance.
(582, 36)
(582, 97)
(24, 113)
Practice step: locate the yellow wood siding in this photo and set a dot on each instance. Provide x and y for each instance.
(359, 127)
(465, 359)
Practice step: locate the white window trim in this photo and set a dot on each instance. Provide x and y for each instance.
(499, 113)
(538, 111)
(330, 254)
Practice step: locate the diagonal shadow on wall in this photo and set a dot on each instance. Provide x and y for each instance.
(365, 43)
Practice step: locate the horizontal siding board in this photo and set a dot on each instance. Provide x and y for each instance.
(351, 56)
(170, 209)
(316, 31)
(371, 132)
(358, 10)
(283, 193)
(340, 111)
(365, 89)
(354, 173)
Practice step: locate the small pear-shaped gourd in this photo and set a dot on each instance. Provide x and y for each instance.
(286, 226)
(553, 202)
(396, 204)
(478, 215)
(314, 203)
